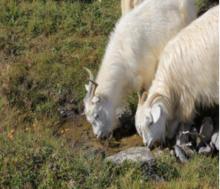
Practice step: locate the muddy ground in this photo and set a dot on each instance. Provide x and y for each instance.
(78, 132)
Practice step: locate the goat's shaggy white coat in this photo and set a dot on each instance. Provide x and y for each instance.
(134, 48)
(133, 51)
(187, 73)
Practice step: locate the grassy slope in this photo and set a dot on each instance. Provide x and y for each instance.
(33, 159)
(43, 48)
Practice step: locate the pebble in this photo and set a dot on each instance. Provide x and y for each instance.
(206, 150)
(180, 154)
(215, 141)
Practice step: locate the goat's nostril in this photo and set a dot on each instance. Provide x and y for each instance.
(150, 144)
(98, 136)
(153, 144)
(103, 136)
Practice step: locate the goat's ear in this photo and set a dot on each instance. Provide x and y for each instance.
(156, 112)
(96, 99)
(87, 87)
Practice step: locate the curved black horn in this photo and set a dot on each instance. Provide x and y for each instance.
(92, 83)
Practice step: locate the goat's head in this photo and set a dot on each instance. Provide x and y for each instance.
(150, 122)
(98, 110)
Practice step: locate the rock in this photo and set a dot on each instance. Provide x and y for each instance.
(183, 137)
(214, 140)
(206, 129)
(180, 154)
(206, 150)
(183, 134)
(136, 154)
(187, 135)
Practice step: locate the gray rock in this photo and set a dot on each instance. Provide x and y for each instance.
(183, 138)
(214, 140)
(206, 129)
(206, 150)
(136, 154)
(184, 134)
(180, 154)
(187, 135)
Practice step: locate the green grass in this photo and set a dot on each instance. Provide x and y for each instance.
(36, 159)
(43, 47)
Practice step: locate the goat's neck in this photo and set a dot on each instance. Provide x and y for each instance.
(112, 85)
(115, 79)
(161, 94)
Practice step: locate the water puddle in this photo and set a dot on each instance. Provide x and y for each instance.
(79, 135)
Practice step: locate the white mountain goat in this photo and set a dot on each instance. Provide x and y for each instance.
(187, 76)
(128, 5)
(131, 57)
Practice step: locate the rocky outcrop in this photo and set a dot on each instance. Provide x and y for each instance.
(135, 154)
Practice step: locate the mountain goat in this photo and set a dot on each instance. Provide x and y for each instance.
(131, 58)
(127, 5)
(187, 76)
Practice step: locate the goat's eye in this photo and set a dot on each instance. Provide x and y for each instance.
(96, 116)
(149, 121)
(140, 132)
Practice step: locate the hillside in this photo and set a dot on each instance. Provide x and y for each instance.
(44, 141)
